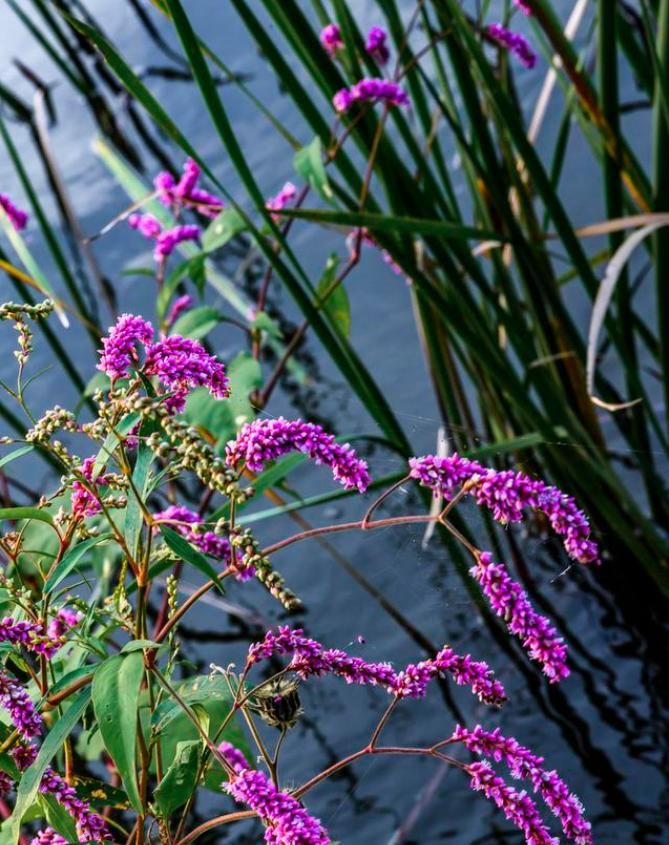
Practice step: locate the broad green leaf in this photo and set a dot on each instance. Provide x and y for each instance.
(334, 299)
(115, 694)
(58, 818)
(308, 162)
(17, 453)
(138, 645)
(179, 781)
(29, 783)
(189, 554)
(71, 559)
(197, 322)
(27, 513)
(222, 229)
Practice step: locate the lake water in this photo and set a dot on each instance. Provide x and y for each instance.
(604, 728)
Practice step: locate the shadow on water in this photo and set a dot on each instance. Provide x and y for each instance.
(605, 728)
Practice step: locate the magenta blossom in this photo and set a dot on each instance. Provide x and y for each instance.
(119, 348)
(266, 440)
(376, 45)
(48, 836)
(525, 765)
(178, 307)
(507, 494)
(514, 42)
(84, 502)
(18, 218)
(18, 704)
(168, 240)
(523, 6)
(509, 601)
(286, 195)
(90, 826)
(370, 90)
(331, 39)
(145, 224)
(285, 819)
(185, 192)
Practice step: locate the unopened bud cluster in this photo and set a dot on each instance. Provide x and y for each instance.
(243, 539)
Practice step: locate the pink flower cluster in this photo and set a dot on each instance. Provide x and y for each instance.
(525, 765)
(18, 704)
(179, 363)
(518, 807)
(185, 192)
(84, 503)
(309, 658)
(375, 45)
(523, 6)
(90, 826)
(331, 39)
(285, 819)
(507, 494)
(48, 836)
(31, 635)
(370, 90)
(266, 440)
(166, 239)
(509, 601)
(286, 195)
(207, 541)
(18, 218)
(514, 42)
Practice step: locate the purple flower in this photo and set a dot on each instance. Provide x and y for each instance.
(376, 46)
(508, 599)
(145, 224)
(48, 836)
(233, 756)
(514, 42)
(286, 821)
(168, 240)
(266, 440)
(472, 673)
(523, 6)
(371, 90)
(18, 218)
(523, 764)
(507, 494)
(180, 304)
(331, 39)
(208, 542)
(185, 192)
(182, 363)
(30, 635)
(64, 620)
(83, 502)
(286, 194)
(6, 784)
(518, 807)
(24, 755)
(90, 826)
(16, 701)
(119, 348)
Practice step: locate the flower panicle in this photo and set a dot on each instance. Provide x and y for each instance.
(376, 46)
(331, 40)
(266, 440)
(514, 42)
(186, 192)
(370, 90)
(17, 217)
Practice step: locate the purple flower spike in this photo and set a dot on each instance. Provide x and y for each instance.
(507, 494)
(523, 6)
(18, 218)
(145, 224)
(525, 765)
(370, 90)
(509, 601)
(518, 807)
(167, 241)
(514, 42)
(178, 307)
(266, 440)
(118, 351)
(16, 701)
(376, 46)
(286, 821)
(48, 836)
(331, 39)
(84, 503)
(286, 195)
(182, 363)
(185, 192)
(90, 826)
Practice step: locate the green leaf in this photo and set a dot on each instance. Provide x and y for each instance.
(58, 818)
(334, 300)
(183, 549)
(197, 322)
(138, 645)
(17, 453)
(192, 267)
(222, 229)
(115, 693)
(27, 513)
(265, 323)
(140, 480)
(308, 162)
(179, 781)
(29, 783)
(111, 442)
(71, 559)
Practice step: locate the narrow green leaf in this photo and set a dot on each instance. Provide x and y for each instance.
(27, 513)
(115, 693)
(308, 162)
(133, 514)
(71, 559)
(179, 781)
(183, 549)
(29, 783)
(17, 453)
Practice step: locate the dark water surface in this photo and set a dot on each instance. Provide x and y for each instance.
(604, 728)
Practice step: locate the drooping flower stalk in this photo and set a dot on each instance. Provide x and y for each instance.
(17, 217)
(265, 440)
(525, 765)
(370, 90)
(18, 704)
(518, 807)
(285, 819)
(509, 601)
(507, 494)
(514, 42)
(375, 45)
(90, 826)
(330, 38)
